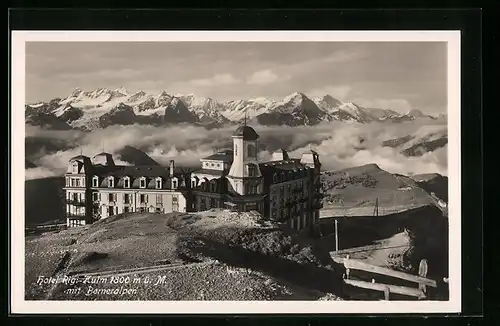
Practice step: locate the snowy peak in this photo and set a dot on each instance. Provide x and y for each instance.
(121, 90)
(295, 98)
(82, 109)
(415, 113)
(328, 103)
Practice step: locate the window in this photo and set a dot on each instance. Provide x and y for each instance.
(111, 211)
(75, 167)
(126, 209)
(111, 182)
(111, 197)
(126, 198)
(143, 198)
(95, 181)
(95, 196)
(193, 183)
(72, 182)
(252, 170)
(251, 152)
(158, 183)
(142, 183)
(77, 182)
(126, 182)
(159, 199)
(174, 184)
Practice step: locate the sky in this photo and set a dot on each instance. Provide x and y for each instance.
(397, 75)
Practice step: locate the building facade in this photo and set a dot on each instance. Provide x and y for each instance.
(98, 188)
(284, 189)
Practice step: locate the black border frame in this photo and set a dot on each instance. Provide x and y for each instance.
(468, 21)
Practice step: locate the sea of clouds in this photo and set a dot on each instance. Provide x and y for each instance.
(340, 145)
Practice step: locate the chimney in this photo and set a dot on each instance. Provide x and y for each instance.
(172, 166)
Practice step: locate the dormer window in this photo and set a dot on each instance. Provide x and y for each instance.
(158, 183)
(111, 182)
(142, 183)
(75, 167)
(174, 183)
(95, 181)
(193, 183)
(126, 182)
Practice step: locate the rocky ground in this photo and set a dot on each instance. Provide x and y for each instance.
(215, 255)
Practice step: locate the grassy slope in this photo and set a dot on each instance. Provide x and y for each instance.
(362, 186)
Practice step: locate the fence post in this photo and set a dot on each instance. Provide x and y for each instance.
(386, 293)
(422, 271)
(347, 270)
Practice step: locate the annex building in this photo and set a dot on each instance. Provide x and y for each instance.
(283, 189)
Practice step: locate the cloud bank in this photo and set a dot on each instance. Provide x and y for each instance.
(340, 145)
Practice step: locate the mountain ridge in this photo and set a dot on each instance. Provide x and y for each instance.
(88, 109)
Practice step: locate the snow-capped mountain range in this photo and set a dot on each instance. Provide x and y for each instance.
(100, 108)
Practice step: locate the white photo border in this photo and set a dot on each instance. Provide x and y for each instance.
(17, 222)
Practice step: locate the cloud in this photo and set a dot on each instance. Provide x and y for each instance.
(264, 77)
(342, 56)
(104, 74)
(339, 92)
(340, 145)
(397, 104)
(216, 80)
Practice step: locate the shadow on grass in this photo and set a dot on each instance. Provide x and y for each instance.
(304, 275)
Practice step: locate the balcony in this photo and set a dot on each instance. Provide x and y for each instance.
(75, 216)
(75, 202)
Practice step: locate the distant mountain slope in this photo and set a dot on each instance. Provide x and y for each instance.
(44, 200)
(424, 141)
(295, 110)
(46, 121)
(433, 183)
(425, 146)
(88, 110)
(135, 156)
(37, 146)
